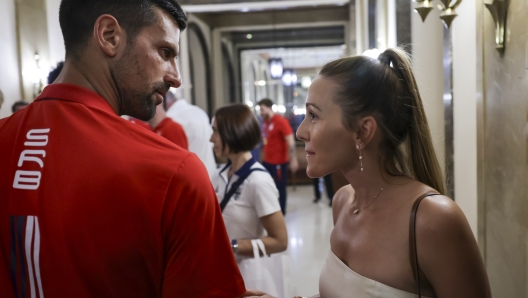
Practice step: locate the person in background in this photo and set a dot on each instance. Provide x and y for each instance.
(329, 188)
(92, 205)
(165, 127)
(54, 73)
(18, 105)
(252, 211)
(361, 112)
(279, 148)
(1, 99)
(197, 127)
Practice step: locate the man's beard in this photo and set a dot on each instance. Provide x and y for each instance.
(135, 96)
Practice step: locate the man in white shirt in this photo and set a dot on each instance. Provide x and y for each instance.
(197, 127)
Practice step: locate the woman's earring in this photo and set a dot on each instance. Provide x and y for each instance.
(359, 146)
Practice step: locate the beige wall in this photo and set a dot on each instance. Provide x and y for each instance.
(33, 39)
(465, 93)
(9, 74)
(505, 110)
(427, 43)
(56, 42)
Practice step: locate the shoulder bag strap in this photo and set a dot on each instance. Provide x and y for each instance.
(412, 240)
(235, 187)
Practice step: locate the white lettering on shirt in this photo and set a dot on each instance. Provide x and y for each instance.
(26, 156)
(37, 135)
(30, 180)
(27, 180)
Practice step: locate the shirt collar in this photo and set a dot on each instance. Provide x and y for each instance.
(244, 170)
(74, 93)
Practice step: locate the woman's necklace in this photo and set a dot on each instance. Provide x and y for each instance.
(359, 209)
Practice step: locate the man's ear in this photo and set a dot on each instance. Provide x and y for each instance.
(109, 35)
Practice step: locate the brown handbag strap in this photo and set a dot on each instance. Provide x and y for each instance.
(412, 241)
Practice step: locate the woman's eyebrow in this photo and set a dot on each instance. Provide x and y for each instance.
(313, 105)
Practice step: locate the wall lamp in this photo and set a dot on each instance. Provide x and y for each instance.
(446, 7)
(499, 12)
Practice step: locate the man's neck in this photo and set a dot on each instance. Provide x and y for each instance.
(96, 79)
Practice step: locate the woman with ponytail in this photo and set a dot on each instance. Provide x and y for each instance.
(365, 118)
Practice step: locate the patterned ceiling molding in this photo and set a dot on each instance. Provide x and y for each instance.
(245, 6)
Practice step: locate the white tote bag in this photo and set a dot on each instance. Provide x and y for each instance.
(270, 274)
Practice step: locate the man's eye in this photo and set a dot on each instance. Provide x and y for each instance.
(165, 53)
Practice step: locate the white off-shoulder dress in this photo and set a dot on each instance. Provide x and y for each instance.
(337, 280)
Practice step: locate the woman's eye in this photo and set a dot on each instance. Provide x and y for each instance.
(312, 116)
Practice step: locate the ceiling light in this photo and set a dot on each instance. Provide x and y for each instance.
(276, 68)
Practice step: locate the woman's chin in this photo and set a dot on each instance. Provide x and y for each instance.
(312, 173)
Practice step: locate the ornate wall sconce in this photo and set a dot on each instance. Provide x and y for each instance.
(499, 12)
(447, 8)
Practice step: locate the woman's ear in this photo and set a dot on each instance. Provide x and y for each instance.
(366, 130)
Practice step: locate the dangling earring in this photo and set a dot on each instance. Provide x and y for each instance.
(358, 147)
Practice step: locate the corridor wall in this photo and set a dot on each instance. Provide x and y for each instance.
(505, 107)
(9, 68)
(427, 41)
(491, 164)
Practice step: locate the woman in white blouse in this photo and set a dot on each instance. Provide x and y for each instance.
(253, 210)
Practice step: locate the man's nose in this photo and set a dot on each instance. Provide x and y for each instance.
(173, 77)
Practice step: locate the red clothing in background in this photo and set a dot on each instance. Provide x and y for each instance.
(274, 132)
(92, 205)
(143, 124)
(173, 132)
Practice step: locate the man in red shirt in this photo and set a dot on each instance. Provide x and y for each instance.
(279, 148)
(92, 205)
(165, 127)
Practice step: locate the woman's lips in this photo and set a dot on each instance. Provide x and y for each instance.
(309, 153)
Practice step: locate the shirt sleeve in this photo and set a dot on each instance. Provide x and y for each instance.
(198, 258)
(265, 194)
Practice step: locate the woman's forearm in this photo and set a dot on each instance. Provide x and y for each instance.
(272, 245)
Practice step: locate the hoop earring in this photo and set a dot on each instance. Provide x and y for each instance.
(358, 147)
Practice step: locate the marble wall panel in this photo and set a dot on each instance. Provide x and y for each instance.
(506, 93)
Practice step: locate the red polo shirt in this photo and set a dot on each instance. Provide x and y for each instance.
(92, 205)
(274, 133)
(173, 132)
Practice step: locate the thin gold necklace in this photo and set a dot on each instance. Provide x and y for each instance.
(359, 209)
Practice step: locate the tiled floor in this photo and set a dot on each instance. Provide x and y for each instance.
(309, 227)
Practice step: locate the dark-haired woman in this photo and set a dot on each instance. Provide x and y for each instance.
(365, 118)
(253, 210)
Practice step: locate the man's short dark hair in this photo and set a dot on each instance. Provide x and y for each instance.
(238, 128)
(18, 104)
(52, 76)
(266, 102)
(77, 18)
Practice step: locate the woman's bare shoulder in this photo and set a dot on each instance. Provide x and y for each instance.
(448, 253)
